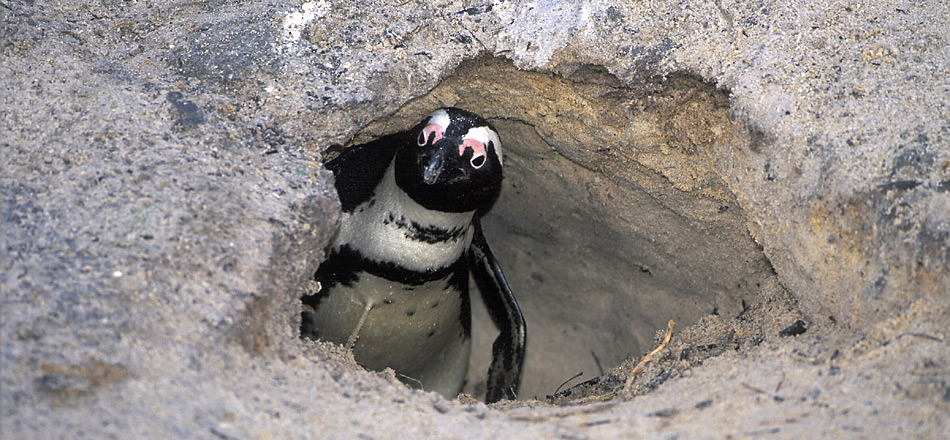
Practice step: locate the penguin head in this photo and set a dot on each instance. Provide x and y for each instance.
(451, 162)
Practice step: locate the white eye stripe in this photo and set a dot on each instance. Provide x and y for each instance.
(440, 117)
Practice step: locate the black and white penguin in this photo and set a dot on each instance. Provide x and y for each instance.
(395, 283)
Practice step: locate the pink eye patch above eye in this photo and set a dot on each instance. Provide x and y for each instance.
(478, 148)
(427, 132)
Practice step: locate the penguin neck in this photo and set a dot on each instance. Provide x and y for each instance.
(390, 193)
(391, 227)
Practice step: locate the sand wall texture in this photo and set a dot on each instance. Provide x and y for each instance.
(775, 178)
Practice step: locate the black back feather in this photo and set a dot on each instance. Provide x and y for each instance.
(360, 168)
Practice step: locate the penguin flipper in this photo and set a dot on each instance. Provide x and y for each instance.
(504, 375)
(360, 168)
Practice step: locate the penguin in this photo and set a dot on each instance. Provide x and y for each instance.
(395, 283)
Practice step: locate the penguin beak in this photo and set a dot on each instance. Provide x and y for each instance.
(436, 159)
(433, 169)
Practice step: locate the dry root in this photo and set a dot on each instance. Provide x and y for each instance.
(627, 388)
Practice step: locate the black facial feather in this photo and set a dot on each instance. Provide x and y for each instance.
(461, 187)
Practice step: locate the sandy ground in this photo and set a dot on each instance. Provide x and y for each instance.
(756, 164)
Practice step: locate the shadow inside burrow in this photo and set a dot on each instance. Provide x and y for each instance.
(613, 218)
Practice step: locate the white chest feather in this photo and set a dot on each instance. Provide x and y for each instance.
(391, 227)
(415, 329)
(417, 332)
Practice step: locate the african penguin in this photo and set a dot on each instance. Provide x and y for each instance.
(395, 282)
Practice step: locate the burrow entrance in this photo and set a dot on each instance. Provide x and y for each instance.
(612, 220)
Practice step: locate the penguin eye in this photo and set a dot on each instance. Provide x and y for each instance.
(422, 138)
(478, 161)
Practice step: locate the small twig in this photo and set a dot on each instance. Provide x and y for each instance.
(566, 381)
(351, 341)
(417, 381)
(920, 335)
(752, 388)
(633, 373)
(774, 397)
(779, 386)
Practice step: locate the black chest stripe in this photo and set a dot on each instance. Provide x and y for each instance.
(343, 265)
(426, 234)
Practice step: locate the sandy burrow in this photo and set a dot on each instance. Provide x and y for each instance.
(163, 206)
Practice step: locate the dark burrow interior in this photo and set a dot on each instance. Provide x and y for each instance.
(613, 218)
